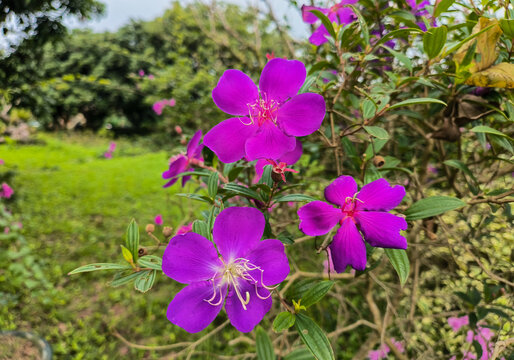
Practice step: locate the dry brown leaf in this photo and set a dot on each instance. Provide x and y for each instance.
(501, 76)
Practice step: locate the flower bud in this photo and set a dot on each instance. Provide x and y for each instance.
(142, 252)
(378, 161)
(276, 177)
(167, 231)
(150, 228)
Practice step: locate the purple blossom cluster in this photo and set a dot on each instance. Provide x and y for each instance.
(158, 106)
(238, 270)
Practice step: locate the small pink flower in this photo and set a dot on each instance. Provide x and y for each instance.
(398, 345)
(178, 130)
(19, 225)
(379, 354)
(6, 230)
(112, 146)
(184, 229)
(158, 220)
(158, 107)
(141, 73)
(7, 191)
(457, 322)
(2, 162)
(151, 77)
(108, 155)
(171, 102)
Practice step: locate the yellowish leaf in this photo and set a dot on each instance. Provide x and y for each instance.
(486, 51)
(501, 76)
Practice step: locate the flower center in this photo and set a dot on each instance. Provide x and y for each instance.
(235, 274)
(349, 207)
(263, 110)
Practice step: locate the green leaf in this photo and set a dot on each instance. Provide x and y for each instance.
(442, 7)
(124, 279)
(127, 255)
(264, 345)
(432, 206)
(416, 101)
(461, 166)
(300, 354)
(132, 239)
(434, 40)
(266, 176)
(198, 197)
(400, 262)
(315, 339)
(488, 130)
(362, 23)
(151, 262)
(368, 109)
(377, 132)
(316, 293)
(507, 26)
(326, 21)
(200, 227)
(145, 280)
(283, 321)
(404, 59)
(99, 266)
(242, 190)
(234, 173)
(212, 185)
(295, 198)
(464, 41)
(395, 34)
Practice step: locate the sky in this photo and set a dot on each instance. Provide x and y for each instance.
(119, 12)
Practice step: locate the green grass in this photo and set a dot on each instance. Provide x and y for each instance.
(75, 206)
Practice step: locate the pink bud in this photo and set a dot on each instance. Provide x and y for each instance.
(158, 220)
(178, 130)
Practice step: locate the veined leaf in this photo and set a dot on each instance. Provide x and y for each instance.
(99, 266)
(377, 132)
(326, 22)
(400, 262)
(295, 198)
(132, 239)
(487, 130)
(315, 339)
(264, 345)
(283, 321)
(151, 262)
(212, 185)
(145, 280)
(416, 101)
(316, 293)
(432, 206)
(434, 40)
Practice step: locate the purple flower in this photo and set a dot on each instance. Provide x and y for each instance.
(337, 13)
(419, 10)
(457, 322)
(182, 163)
(268, 118)
(141, 72)
(366, 210)
(6, 191)
(158, 220)
(240, 273)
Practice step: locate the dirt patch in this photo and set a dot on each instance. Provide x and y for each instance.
(17, 348)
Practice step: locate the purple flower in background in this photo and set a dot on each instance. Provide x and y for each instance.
(366, 210)
(2, 162)
(382, 352)
(6, 191)
(141, 72)
(158, 220)
(182, 163)
(184, 229)
(240, 272)
(159, 106)
(289, 158)
(457, 322)
(418, 9)
(151, 77)
(269, 118)
(337, 13)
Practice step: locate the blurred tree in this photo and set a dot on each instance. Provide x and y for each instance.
(181, 54)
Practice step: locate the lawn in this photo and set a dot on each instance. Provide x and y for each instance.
(75, 206)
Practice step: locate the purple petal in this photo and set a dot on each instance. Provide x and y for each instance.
(382, 229)
(177, 166)
(270, 256)
(259, 167)
(340, 189)
(281, 79)
(346, 16)
(319, 36)
(348, 248)
(235, 90)
(302, 115)
(186, 178)
(293, 156)
(269, 143)
(227, 139)
(245, 320)
(194, 150)
(189, 308)
(318, 218)
(237, 230)
(309, 17)
(189, 258)
(380, 196)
